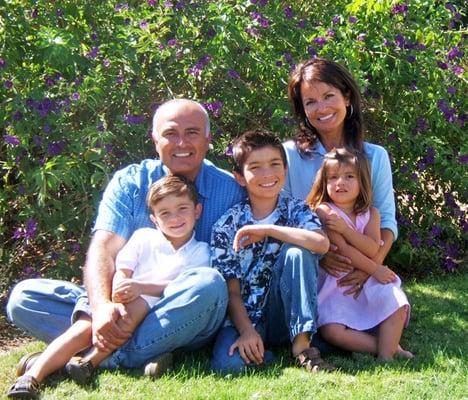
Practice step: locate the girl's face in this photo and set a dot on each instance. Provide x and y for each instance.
(342, 183)
(325, 107)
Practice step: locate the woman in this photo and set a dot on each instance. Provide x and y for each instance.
(327, 104)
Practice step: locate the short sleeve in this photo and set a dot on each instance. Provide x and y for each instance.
(116, 207)
(127, 257)
(304, 217)
(382, 188)
(223, 256)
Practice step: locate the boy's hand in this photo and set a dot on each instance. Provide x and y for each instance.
(384, 274)
(249, 234)
(250, 346)
(126, 291)
(335, 223)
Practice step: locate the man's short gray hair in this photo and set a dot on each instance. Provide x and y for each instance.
(174, 102)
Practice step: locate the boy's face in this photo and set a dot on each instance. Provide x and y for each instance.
(175, 216)
(263, 174)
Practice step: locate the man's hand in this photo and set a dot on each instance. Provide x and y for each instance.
(334, 263)
(126, 290)
(355, 280)
(249, 234)
(106, 333)
(250, 346)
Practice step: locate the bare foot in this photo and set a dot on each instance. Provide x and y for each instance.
(403, 353)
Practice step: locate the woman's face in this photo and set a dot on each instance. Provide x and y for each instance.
(325, 107)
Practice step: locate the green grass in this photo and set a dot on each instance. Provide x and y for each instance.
(437, 334)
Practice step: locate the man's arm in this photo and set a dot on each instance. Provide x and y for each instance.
(98, 273)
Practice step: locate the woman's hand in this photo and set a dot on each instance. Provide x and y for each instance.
(126, 290)
(250, 346)
(335, 264)
(355, 280)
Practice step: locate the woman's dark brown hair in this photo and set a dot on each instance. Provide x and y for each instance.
(334, 74)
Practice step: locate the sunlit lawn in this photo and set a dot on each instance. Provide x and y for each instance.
(437, 334)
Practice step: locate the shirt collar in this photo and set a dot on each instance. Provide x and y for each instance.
(167, 246)
(281, 208)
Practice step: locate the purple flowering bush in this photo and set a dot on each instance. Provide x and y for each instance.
(80, 81)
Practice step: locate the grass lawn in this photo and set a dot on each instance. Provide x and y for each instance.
(437, 334)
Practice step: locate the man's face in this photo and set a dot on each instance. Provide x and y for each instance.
(181, 140)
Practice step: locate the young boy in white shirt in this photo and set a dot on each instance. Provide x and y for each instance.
(148, 262)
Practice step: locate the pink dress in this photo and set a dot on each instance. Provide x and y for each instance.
(376, 302)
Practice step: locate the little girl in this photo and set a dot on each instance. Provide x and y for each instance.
(341, 196)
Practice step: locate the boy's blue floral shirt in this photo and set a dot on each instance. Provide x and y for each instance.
(253, 264)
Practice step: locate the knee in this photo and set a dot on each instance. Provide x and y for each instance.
(17, 299)
(208, 283)
(332, 332)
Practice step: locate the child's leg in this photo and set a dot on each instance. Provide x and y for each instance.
(63, 348)
(349, 339)
(137, 311)
(389, 337)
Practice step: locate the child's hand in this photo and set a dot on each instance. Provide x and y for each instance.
(335, 223)
(384, 274)
(249, 234)
(250, 346)
(126, 290)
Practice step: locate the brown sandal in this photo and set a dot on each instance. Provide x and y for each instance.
(25, 387)
(311, 360)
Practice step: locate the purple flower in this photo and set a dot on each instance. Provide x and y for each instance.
(93, 52)
(336, 20)
(8, 84)
(457, 69)
(11, 140)
(18, 116)
(252, 31)
(37, 140)
(172, 42)
(400, 9)
(143, 24)
(214, 107)
(94, 36)
(2, 63)
(454, 53)
(31, 229)
(436, 231)
(404, 169)
(233, 74)
(34, 13)
(387, 43)
(49, 81)
(288, 12)
(421, 165)
(151, 3)
(320, 41)
(75, 96)
(414, 239)
(331, 33)
(442, 65)
(411, 59)
(400, 40)
(361, 37)
(55, 148)
(121, 6)
(106, 63)
(228, 151)
(311, 51)
(451, 7)
(451, 90)
(302, 23)
(75, 247)
(279, 63)
(352, 19)
(463, 158)
(134, 119)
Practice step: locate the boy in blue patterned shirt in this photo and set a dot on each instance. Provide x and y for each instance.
(267, 248)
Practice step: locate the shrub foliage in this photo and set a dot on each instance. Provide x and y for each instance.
(80, 81)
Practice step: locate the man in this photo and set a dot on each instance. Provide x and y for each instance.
(193, 306)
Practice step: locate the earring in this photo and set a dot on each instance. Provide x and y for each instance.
(351, 111)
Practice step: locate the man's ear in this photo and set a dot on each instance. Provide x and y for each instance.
(153, 219)
(240, 179)
(198, 210)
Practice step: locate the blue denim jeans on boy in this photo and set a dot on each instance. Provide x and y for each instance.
(187, 316)
(291, 308)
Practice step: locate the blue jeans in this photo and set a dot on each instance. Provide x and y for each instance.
(291, 308)
(187, 316)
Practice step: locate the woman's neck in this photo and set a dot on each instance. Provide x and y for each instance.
(331, 141)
